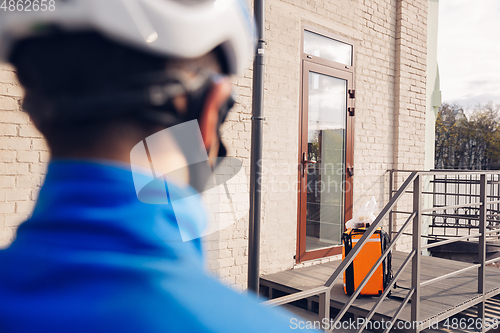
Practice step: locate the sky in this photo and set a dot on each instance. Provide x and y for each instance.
(469, 51)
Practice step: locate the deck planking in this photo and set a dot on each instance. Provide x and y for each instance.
(439, 300)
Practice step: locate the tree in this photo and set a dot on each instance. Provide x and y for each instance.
(468, 142)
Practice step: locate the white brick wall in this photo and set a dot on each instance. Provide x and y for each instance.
(389, 124)
(23, 155)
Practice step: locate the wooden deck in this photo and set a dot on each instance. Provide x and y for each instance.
(439, 300)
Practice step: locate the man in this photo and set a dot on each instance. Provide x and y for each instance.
(100, 76)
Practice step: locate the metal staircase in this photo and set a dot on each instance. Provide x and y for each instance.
(484, 199)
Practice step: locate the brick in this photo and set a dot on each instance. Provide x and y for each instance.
(7, 234)
(16, 117)
(27, 181)
(28, 156)
(14, 168)
(34, 194)
(12, 90)
(39, 144)
(24, 207)
(38, 168)
(7, 156)
(7, 182)
(14, 143)
(225, 254)
(7, 207)
(44, 157)
(6, 67)
(9, 103)
(14, 220)
(8, 76)
(17, 194)
(29, 131)
(8, 129)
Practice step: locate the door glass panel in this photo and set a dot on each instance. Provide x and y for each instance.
(327, 48)
(326, 146)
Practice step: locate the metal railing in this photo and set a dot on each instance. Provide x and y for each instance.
(415, 218)
(458, 191)
(455, 192)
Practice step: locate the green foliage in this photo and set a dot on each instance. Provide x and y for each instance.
(468, 142)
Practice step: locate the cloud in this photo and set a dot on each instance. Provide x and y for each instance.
(479, 83)
(468, 51)
(470, 101)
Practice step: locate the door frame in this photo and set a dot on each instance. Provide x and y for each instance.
(322, 66)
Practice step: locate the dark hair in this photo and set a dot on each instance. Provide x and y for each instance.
(68, 64)
(78, 63)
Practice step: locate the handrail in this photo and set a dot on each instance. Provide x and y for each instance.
(445, 276)
(389, 287)
(373, 269)
(449, 172)
(492, 261)
(433, 209)
(296, 296)
(415, 178)
(398, 311)
(492, 231)
(326, 288)
(369, 232)
(448, 241)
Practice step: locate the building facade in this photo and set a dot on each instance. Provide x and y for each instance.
(307, 54)
(345, 87)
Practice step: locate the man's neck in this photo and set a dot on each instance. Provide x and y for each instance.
(168, 161)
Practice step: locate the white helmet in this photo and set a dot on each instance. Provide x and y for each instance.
(171, 28)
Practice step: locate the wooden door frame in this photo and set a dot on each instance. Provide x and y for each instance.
(321, 67)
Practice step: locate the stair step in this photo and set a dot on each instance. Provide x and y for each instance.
(314, 317)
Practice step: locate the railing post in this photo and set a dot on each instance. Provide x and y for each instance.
(324, 305)
(391, 187)
(416, 244)
(482, 248)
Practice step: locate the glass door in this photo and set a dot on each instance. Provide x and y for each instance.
(325, 161)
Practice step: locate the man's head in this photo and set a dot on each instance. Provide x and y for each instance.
(86, 64)
(102, 75)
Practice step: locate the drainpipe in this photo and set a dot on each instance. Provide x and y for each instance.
(256, 151)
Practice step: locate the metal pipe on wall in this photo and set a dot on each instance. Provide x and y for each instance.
(256, 150)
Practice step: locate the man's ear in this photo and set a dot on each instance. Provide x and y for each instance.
(209, 118)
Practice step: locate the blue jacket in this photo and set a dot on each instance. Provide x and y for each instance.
(93, 258)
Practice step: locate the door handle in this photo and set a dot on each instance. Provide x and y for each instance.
(305, 162)
(350, 171)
